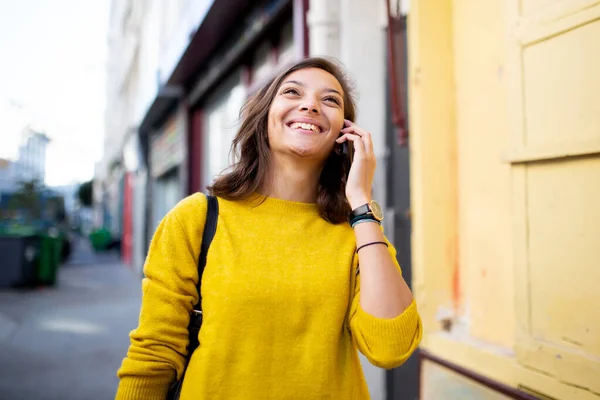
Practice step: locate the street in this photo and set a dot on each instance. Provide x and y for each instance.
(67, 342)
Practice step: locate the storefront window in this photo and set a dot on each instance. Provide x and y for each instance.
(166, 194)
(220, 126)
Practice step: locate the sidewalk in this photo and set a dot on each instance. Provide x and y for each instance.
(67, 342)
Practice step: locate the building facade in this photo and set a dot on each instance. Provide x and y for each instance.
(31, 161)
(7, 175)
(505, 189)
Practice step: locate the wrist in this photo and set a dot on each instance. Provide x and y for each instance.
(365, 209)
(363, 219)
(357, 201)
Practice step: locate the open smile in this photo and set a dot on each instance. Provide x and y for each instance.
(306, 126)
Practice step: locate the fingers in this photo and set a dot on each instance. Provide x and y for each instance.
(352, 127)
(354, 130)
(368, 143)
(359, 145)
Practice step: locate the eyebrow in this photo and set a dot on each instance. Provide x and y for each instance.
(331, 90)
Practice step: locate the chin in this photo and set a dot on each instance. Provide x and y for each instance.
(314, 153)
(308, 146)
(304, 152)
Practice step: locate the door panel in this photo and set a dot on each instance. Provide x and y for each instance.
(555, 158)
(569, 87)
(564, 253)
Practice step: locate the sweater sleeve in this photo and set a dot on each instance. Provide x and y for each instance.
(386, 343)
(158, 345)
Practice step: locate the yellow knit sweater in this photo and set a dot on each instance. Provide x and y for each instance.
(282, 318)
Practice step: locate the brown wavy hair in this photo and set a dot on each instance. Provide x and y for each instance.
(252, 153)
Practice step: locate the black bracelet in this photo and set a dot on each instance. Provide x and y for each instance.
(361, 217)
(368, 244)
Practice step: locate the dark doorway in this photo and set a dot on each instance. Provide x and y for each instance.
(401, 383)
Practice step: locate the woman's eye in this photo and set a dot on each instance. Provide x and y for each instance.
(333, 99)
(291, 91)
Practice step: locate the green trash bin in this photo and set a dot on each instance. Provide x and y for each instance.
(100, 239)
(49, 260)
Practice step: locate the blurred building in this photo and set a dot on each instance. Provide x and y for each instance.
(7, 175)
(31, 161)
(505, 171)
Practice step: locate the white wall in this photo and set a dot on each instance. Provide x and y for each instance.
(149, 51)
(363, 51)
(146, 38)
(121, 90)
(180, 19)
(324, 28)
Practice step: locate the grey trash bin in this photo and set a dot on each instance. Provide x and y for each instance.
(18, 258)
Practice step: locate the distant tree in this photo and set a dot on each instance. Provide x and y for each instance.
(85, 193)
(27, 198)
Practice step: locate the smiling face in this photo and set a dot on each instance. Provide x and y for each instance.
(307, 114)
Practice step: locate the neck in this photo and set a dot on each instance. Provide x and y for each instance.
(290, 180)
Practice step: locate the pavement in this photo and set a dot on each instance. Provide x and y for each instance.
(66, 342)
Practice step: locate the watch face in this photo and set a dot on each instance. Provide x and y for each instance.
(376, 210)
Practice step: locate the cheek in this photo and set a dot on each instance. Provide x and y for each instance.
(274, 125)
(337, 122)
(275, 117)
(272, 118)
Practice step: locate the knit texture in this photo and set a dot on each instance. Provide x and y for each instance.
(280, 296)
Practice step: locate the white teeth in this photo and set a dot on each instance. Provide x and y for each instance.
(302, 125)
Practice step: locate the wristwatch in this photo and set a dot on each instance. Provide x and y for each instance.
(371, 209)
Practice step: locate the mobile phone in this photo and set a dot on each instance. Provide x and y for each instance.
(348, 152)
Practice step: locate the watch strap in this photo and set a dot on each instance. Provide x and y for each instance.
(365, 209)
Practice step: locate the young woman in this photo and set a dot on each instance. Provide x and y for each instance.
(299, 274)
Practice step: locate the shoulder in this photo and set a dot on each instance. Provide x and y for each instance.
(190, 207)
(188, 215)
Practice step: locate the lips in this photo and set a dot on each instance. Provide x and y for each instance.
(305, 125)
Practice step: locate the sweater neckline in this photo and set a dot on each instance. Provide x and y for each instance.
(272, 204)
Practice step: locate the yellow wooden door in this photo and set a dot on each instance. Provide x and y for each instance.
(555, 157)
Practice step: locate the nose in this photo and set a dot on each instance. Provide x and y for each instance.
(310, 105)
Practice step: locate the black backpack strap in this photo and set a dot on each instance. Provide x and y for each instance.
(210, 227)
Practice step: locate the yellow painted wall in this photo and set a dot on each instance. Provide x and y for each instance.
(505, 172)
(433, 204)
(484, 222)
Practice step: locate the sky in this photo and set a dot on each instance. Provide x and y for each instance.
(52, 76)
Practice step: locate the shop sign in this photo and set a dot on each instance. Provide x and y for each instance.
(167, 146)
